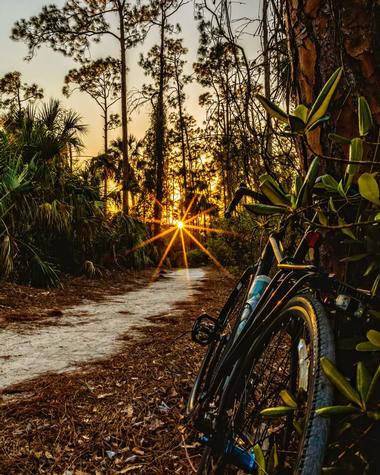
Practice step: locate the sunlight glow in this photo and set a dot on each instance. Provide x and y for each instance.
(178, 228)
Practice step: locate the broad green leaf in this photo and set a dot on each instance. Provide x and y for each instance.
(374, 388)
(366, 346)
(262, 209)
(371, 266)
(308, 183)
(272, 190)
(355, 155)
(288, 398)
(368, 188)
(332, 205)
(329, 182)
(341, 189)
(364, 116)
(347, 231)
(355, 258)
(374, 337)
(322, 218)
(260, 460)
(272, 461)
(339, 381)
(301, 112)
(377, 217)
(339, 139)
(375, 415)
(322, 102)
(363, 380)
(318, 123)
(272, 109)
(296, 124)
(337, 410)
(298, 185)
(277, 411)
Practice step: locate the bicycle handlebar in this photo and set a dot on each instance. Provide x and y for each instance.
(239, 193)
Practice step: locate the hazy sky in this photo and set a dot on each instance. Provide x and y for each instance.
(48, 68)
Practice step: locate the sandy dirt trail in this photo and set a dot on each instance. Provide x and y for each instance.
(90, 331)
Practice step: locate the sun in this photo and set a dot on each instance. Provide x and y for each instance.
(179, 229)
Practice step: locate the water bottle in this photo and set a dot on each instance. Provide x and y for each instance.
(257, 289)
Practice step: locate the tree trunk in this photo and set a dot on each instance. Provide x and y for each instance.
(323, 36)
(183, 144)
(160, 131)
(124, 114)
(105, 199)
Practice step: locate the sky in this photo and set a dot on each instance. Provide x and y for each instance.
(48, 68)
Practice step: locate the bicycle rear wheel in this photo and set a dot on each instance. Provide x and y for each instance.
(227, 318)
(286, 356)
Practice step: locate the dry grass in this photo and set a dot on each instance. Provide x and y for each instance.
(121, 415)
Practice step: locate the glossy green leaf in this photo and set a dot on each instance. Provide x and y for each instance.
(262, 209)
(322, 102)
(339, 139)
(355, 155)
(288, 398)
(364, 116)
(272, 190)
(308, 183)
(355, 258)
(318, 123)
(339, 381)
(322, 218)
(374, 337)
(301, 111)
(260, 460)
(368, 187)
(347, 231)
(337, 410)
(374, 388)
(363, 380)
(366, 346)
(277, 411)
(272, 461)
(272, 108)
(375, 415)
(332, 205)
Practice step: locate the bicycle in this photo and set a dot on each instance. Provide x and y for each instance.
(266, 345)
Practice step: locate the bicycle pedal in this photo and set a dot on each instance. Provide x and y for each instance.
(204, 330)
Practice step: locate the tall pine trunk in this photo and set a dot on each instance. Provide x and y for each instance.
(124, 114)
(160, 131)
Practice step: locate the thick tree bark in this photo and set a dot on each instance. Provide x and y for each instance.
(323, 35)
(182, 132)
(105, 151)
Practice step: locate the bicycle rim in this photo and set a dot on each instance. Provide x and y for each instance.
(274, 365)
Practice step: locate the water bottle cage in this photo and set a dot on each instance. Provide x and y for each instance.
(204, 330)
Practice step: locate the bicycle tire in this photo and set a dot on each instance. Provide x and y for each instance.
(307, 456)
(226, 324)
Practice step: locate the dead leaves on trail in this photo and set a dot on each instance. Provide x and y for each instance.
(122, 415)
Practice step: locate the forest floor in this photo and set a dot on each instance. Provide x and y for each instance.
(120, 414)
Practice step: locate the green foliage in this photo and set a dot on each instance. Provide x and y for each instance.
(237, 248)
(52, 217)
(349, 206)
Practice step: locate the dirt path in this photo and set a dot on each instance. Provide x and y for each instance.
(91, 330)
(123, 414)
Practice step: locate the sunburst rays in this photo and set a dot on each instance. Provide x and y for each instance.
(179, 229)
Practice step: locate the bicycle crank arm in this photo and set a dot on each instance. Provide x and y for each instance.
(236, 456)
